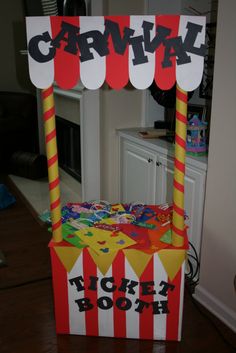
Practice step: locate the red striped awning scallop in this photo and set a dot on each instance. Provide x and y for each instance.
(116, 49)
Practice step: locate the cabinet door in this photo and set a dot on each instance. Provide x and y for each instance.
(194, 196)
(138, 173)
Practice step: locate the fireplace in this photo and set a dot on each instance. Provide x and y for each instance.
(69, 147)
(78, 138)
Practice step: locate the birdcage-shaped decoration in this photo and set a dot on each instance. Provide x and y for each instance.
(196, 136)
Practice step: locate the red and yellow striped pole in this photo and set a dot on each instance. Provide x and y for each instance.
(52, 158)
(179, 167)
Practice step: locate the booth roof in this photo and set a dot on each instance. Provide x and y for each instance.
(139, 49)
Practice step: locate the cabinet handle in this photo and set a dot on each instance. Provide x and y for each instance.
(158, 164)
(150, 160)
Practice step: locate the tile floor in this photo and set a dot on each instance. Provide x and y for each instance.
(36, 192)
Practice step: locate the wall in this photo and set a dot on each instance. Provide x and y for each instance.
(164, 7)
(119, 109)
(13, 66)
(124, 7)
(218, 257)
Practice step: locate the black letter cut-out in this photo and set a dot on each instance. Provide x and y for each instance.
(120, 44)
(93, 283)
(137, 45)
(84, 304)
(166, 286)
(78, 282)
(141, 305)
(105, 303)
(161, 34)
(71, 40)
(160, 306)
(123, 303)
(126, 285)
(34, 51)
(174, 47)
(147, 288)
(98, 43)
(193, 30)
(104, 286)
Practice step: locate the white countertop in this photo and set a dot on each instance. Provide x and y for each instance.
(161, 146)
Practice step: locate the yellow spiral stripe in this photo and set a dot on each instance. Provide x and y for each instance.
(54, 194)
(50, 125)
(182, 106)
(178, 220)
(51, 148)
(180, 154)
(56, 214)
(178, 198)
(178, 175)
(53, 172)
(48, 103)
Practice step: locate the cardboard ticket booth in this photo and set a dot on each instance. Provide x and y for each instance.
(111, 277)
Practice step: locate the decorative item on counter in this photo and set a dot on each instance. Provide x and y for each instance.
(196, 136)
(68, 233)
(152, 133)
(131, 226)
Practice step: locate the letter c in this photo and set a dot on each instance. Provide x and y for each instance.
(34, 51)
(104, 285)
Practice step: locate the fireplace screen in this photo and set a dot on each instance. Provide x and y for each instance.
(69, 147)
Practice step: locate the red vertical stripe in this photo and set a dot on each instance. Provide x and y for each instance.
(165, 77)
(172, 324)
(67, 68)
(60, 288)
(146, 326)
(118, 272)
(91, 316)
(117, 68)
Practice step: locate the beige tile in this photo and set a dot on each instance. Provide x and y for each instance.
(37, 193)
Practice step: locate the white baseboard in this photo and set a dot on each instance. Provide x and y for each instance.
(214, 305)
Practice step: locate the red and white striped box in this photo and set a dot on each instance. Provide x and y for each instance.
(142, 299)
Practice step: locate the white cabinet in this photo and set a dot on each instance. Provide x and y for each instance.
(146, 175)
(138, 173)
(194, 195)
